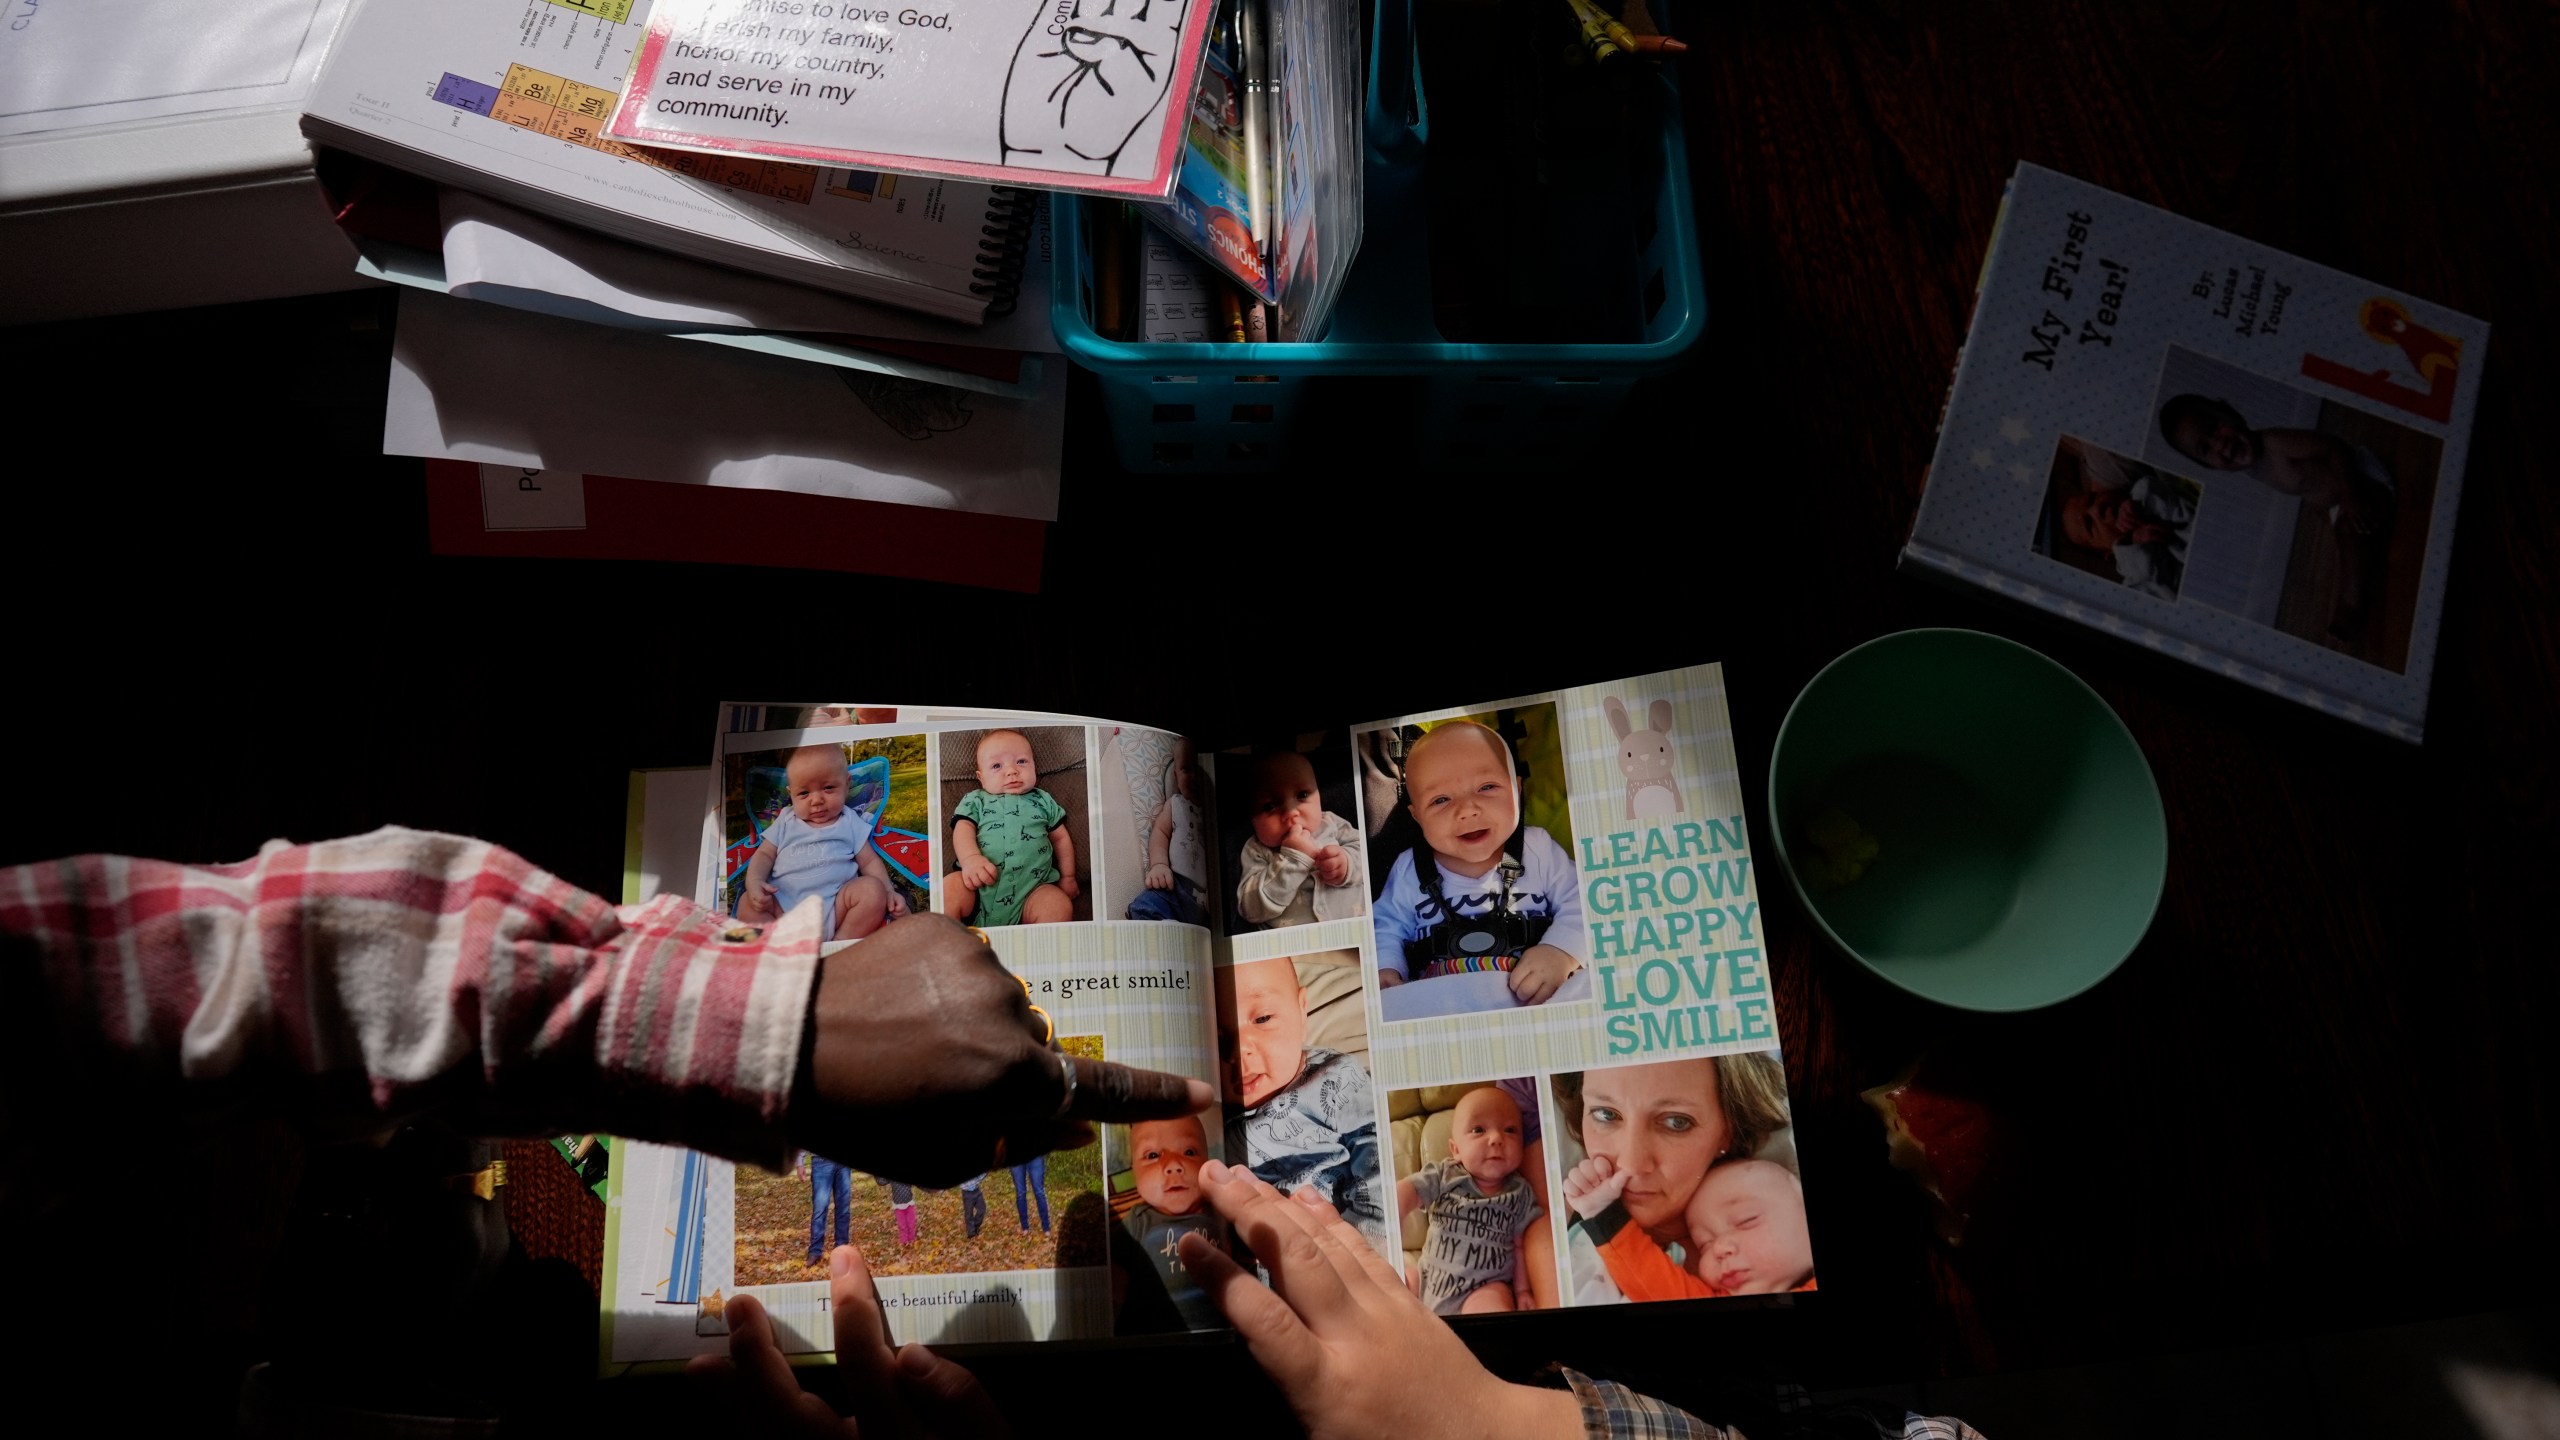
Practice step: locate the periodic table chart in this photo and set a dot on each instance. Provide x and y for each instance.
(574, 111)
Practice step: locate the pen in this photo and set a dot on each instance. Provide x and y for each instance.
(1250, 41)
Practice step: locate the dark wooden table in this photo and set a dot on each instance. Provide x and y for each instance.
(2316, 1098)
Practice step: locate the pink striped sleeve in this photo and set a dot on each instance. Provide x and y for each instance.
(385, 972)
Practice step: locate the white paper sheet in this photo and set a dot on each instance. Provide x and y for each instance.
(494, 251)
(507, 97)
(75, 63)
(493, 385)
(1050, 94)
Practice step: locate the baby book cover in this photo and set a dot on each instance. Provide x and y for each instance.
(2218, 450)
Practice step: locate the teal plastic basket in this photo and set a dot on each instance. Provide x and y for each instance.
(1196, 407)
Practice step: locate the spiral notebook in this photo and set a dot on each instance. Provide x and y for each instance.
(509, 97)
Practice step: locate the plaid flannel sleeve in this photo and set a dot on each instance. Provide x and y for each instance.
(378, 975)
(1611, 1411)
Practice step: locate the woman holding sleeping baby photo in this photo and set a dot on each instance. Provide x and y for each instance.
(1672, 1199)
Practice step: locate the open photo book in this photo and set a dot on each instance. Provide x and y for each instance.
(1490, 977)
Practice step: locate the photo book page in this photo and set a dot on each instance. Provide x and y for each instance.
(1489, 978)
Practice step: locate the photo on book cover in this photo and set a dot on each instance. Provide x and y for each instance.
(1679, 1179)
(2320, 508)
(2238, 458)
(1288, 833)
(1151, 809)
(843, 819)
(2117, 519)
(1473, 1216)
(1016, 814)
(1477, 902)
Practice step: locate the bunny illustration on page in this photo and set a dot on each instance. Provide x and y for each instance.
(1644, 756)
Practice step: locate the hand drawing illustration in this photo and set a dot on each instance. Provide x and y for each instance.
(1087, 74)
(916, 409)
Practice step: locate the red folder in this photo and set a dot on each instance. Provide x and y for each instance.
(719, 525)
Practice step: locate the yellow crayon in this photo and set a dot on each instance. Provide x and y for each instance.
(1595, 32)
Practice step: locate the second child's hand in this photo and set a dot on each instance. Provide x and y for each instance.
(902, 1394)
(1353, 1349)
(1355, 1352)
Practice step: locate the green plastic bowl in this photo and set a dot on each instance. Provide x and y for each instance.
(2020, 847)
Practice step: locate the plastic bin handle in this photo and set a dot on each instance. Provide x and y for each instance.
(1399, 119)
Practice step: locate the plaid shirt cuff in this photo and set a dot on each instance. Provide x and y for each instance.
(1611, 1411)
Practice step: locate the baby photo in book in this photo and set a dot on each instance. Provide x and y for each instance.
(1471, 1196)
(1293, 1046)
(1477, 901)
(2320, 508)
(1679, 1180)
(845, 820)
(1151, 819)
(2117, 518)
(1625, 1138)
(1155, 1199)
(1286, 831)
(1018, 826)
(1041, 1215)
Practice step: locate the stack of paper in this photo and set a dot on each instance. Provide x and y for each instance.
(954, 483)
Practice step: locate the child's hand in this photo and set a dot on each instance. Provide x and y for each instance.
(1333, 866)
(907, 1392)
(1540, 973)
(1389, 979)
(1350, 1347)
(1593, 1186)
(758, 906)
(897, 903)
(1299, 838)
(1068, 884)
(979, 873)
(1159, 877)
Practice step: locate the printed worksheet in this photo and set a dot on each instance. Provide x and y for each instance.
(65, 66)
(1060, 94)
(510, 97)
